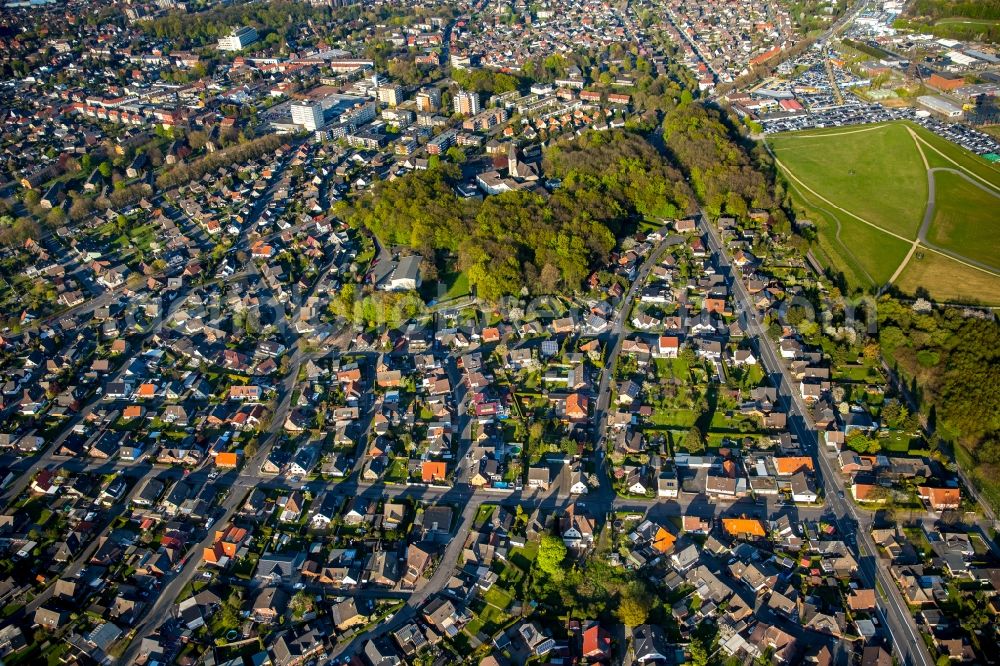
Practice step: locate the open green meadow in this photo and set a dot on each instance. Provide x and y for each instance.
(873, 172)
(967, 219)
(866, 189)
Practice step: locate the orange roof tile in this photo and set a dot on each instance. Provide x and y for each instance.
(226, 459)
(432, 470)
(941, 497)
(788, 465)
(663, 541)
(743, 526)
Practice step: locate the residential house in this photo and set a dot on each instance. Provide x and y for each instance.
(346, 615)
(576, 527)
(270, 605)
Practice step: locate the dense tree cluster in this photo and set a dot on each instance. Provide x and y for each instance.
(723, 173)
(526, 240)
(408, 72)
(277, 21)
(813, 15)
(624, 171)
(13, 231)
(420, 210)
(955, 361)
(377, 308)
(483, 80)
(206, 27)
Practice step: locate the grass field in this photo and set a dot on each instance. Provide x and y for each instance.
(948, 281)
(967, 220)
(865, 188)
(944, 153)
(874, 172)
(448, 287)
(864, 254)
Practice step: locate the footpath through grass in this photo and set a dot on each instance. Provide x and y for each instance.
(875, 172)
(966, 218)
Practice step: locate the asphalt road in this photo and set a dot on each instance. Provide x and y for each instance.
(905, 637)
(929, 216)
(614, 344)
(28, 467)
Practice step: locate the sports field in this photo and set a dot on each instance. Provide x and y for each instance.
(867, 189)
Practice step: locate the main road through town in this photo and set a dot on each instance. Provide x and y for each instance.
(906, 639)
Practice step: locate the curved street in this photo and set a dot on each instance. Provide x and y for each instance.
(929, 217)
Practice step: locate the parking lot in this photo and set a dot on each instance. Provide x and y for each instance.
(842, 116)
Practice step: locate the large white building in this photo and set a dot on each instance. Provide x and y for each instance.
(940, 105)
(238, 39)
(466, 103)
(308, 114)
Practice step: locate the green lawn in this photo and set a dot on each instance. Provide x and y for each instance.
(856, 373)
(523, 558)
(896, 442)
(458, 285)
(483, 514)
(829, 249)
(397, 471)
(948, 280)
(499, 597)
(986, 477)
(879, 253)
(447, 287)
(966, 218)
(876, 174)
(673, 418)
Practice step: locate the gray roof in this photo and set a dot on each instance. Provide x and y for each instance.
(279, 565)
(408, 268)
(648, 641)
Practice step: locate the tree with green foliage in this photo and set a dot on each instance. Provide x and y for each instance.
(633, 607)
(707, 147)
(694, 441)
(522, 241)
(962, 387)
(699, 652)
(552, 553)
(861, 442)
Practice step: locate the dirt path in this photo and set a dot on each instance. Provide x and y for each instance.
(929, 210)
(917, 138)
(828, 134)
(929, 217)
(836, 235)
(902, 264)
